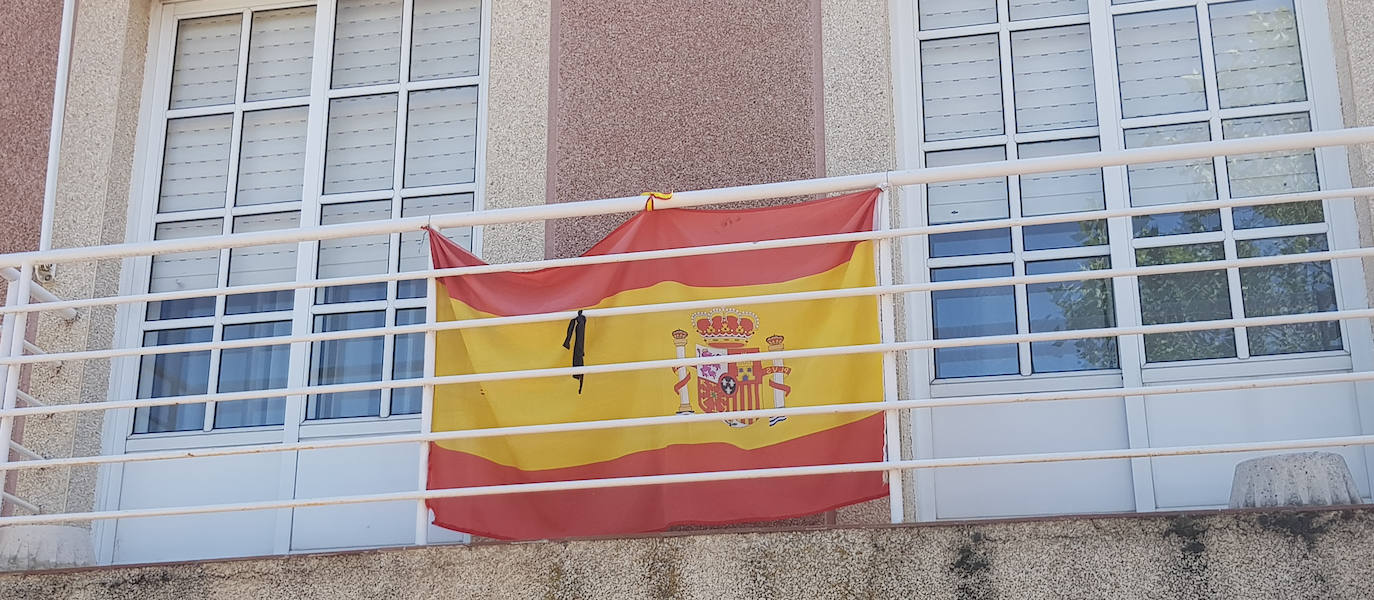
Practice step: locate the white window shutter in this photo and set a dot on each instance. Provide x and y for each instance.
(1258, 57)
(1053, 78)
(1063, 191)
(206, 67)
(281, 45)
(360, 151)
(1171, 181)
(969, 200)
(367, 42)
(272, 263)
(414, 247)
(1159, 62)
(272, 157)
(446, 39)
(186, 270)
(441, 137)
(939, 14)
(363, 255)
(1284, 172)
(961, 80)
(1039, 9)
(195, 163)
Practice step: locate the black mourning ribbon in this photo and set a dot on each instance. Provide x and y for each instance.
(577, 337)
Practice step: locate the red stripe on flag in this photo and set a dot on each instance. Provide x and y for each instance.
(624, 510)
(565, 288)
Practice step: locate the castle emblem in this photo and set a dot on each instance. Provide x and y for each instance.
(730, 385)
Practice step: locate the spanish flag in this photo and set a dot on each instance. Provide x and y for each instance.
(730, 331)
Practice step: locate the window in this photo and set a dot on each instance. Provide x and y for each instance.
(261, 129)
(1027, 80)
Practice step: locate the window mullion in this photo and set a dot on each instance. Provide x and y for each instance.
(1223, 187)
(307, 251)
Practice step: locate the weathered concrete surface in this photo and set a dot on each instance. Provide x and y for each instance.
(1251, 555)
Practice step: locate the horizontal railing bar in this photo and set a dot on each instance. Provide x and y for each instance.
(729, 475)
(697, 305)
(29, 400)
(20, 502)
(828, 409)
(25, 452)
(1295, 141)
(41, 294)
(696, 250)
(696, 361)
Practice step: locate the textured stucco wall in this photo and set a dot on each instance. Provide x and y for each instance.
(668, 96)
(28, 36)
(1250, 555)
(109, 46)
(1352, 39)
(517, 125)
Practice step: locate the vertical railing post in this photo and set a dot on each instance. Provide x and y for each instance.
(888, 323)
(426, 412)
(11, 345)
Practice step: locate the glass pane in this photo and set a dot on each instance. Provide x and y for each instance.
(1039, 9)
(259, 368)
(1053, 78)
(1197, 221)
(1062, 191)
(272, 157)
(408, 362)
(1271, 173)
(279, 52)
(253, 265)
(1069, 305)
(415, 246)
(173, 374)
(971, 200)
(365, 255)
(367, 42)
(1065, 235)
(1172, 182)
(184, 271)
(195, 163)
(1258, 58)
(1184, 298)
(346, 361)
(966, 243)
(1159, 62)
(441, 137)
(939, 14)
(974, 313)
(205, 69)
(360, 149)
(1289, 289)
(961, 79)
(446, 39)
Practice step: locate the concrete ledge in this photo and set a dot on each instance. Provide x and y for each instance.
(1230, 554)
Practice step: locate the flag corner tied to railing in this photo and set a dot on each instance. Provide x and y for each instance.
(729, 330)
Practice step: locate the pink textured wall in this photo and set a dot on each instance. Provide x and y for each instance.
(29, 33)
(668, 95)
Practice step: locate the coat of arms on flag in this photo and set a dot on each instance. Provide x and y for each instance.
(738, 379)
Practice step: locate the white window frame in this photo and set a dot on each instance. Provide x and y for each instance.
(1324, 107)
(143, 216)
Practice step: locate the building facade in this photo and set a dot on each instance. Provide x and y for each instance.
(194, 118)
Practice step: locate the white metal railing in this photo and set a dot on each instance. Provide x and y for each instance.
(23, 291)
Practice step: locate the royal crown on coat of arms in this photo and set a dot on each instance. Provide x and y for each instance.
(730, 386)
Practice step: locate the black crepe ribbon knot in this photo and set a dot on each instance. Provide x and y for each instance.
(577, 337)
